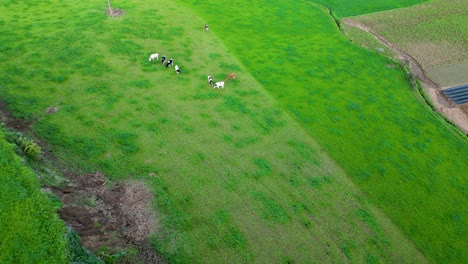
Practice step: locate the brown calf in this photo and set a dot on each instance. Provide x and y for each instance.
(230, 76)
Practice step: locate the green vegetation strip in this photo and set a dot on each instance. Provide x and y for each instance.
(30, 231)
(359, 106)
(344, 8)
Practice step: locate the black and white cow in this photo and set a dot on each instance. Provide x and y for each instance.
(163, 59)
(169, 63)
(210, 80)
(177, 69)
(206, 27)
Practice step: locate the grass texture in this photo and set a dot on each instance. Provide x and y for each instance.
(366, 40)
(364, 114)
(434, 33)
(343, 8)
(30, 231)
(449, 75)
(236, 179)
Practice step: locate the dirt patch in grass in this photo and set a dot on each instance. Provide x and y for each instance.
(115, 12)
(51, 110)
(17, 124)
(110, 217)
(107, 216)
(458, 115)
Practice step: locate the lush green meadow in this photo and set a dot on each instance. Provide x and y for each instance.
(434, 33)
(235, 178)
(346, 8)
(362, 110)
(30, 230)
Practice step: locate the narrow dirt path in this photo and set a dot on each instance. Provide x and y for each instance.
(446, 108)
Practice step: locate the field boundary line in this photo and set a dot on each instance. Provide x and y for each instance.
(439, 103)
(450, 64)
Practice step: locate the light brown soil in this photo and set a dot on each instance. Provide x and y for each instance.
(111, 217)
(458, 115)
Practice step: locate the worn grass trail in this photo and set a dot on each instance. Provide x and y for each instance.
(361, 109)
(235, 178)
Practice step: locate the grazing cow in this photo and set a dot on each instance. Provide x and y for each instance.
(206, 27)
(177, 70)
(210, 80)
(169, 63)
(219, 85)
(163, 59)
(154, 56)
(230, 76)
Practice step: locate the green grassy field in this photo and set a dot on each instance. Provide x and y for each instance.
(236, 179)
(344, 8)
(30, 231)
(366, 40)
(434, 33)
(364, 114)
(234, 174)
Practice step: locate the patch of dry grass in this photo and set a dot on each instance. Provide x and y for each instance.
(449, 75)
(433, 33)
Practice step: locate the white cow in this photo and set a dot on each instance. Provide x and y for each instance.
(154, 56)
(219, 85)
(177, 70)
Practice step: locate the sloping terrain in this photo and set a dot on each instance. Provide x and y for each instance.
(30, 230)
(434, 33)
(361, 108)
(236, 173)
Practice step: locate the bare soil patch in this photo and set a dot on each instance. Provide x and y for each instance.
(115, 12)
(51, 110)
(17, 124)
(110, 217)
(458, 115)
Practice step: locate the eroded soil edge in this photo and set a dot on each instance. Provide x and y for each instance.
(108, 216)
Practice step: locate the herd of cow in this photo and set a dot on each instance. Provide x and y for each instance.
(170, 62)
